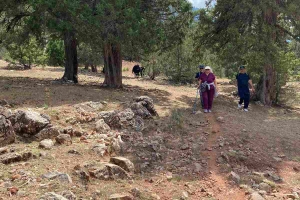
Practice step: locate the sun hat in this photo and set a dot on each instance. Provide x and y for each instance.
(207, 67)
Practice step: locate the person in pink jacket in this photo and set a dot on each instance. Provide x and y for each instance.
(208, 86)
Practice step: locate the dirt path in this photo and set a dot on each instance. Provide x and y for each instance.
(223, 190)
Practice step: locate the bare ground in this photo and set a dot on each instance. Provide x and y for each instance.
(188, 145)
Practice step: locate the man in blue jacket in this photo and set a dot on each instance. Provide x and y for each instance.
(197, 77)
(243, 82)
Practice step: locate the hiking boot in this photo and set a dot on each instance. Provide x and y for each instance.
(205, 111)
(209, 111)
(246, 110)
(239, 106)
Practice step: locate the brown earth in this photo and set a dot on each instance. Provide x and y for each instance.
(174, 142)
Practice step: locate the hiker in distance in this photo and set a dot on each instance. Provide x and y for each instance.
(197, 77)
(243, 82)
(208, 87)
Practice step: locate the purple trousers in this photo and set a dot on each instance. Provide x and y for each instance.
(208, 97)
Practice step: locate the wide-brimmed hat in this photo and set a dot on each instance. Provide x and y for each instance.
(207, 67)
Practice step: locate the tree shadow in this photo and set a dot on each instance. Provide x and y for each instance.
(33, 92)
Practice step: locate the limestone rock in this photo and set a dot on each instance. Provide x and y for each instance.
(3, 102)
(3, 150)
(117, 145)
(48, 133)
(121, 119)
(220, 119)
(147, 102)
(100, 149)
(264, 186)
(124, 163)
(138, 124)
(7, 113)
(62, 177)
(7, 133)
(89, 106)
(64, 139)
(106, 115)
(15, 157)
(120, 197)
(46, 144)
(29, 122)
(69, 195)
(139, 110)
(235, 177)
(108, 171)
(52, 196)
(102, 127)
(256, 196)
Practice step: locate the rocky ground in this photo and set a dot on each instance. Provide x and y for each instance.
(65, 141)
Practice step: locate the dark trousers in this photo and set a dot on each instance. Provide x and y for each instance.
(208, 97)
(245, 98)
(201, 99)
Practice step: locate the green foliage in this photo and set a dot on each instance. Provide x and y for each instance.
(55, 53)
(27, 53)
(125, 69)
(89, 56)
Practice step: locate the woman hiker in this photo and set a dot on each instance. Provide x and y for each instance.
(208, 86)
(243, 82)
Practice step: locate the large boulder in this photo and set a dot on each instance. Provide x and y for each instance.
(124, 163)
(50, 132)
(107, 171)
(29, 123)
(147, 102)
(7, 133)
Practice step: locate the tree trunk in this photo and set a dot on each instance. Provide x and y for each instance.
(266, 88)
(86, 66)
(113, 65)
(94, 68)
(71, 63)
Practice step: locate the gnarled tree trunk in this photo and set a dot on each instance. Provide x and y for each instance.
(113, 65)
(266, 88)
(71, 63)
